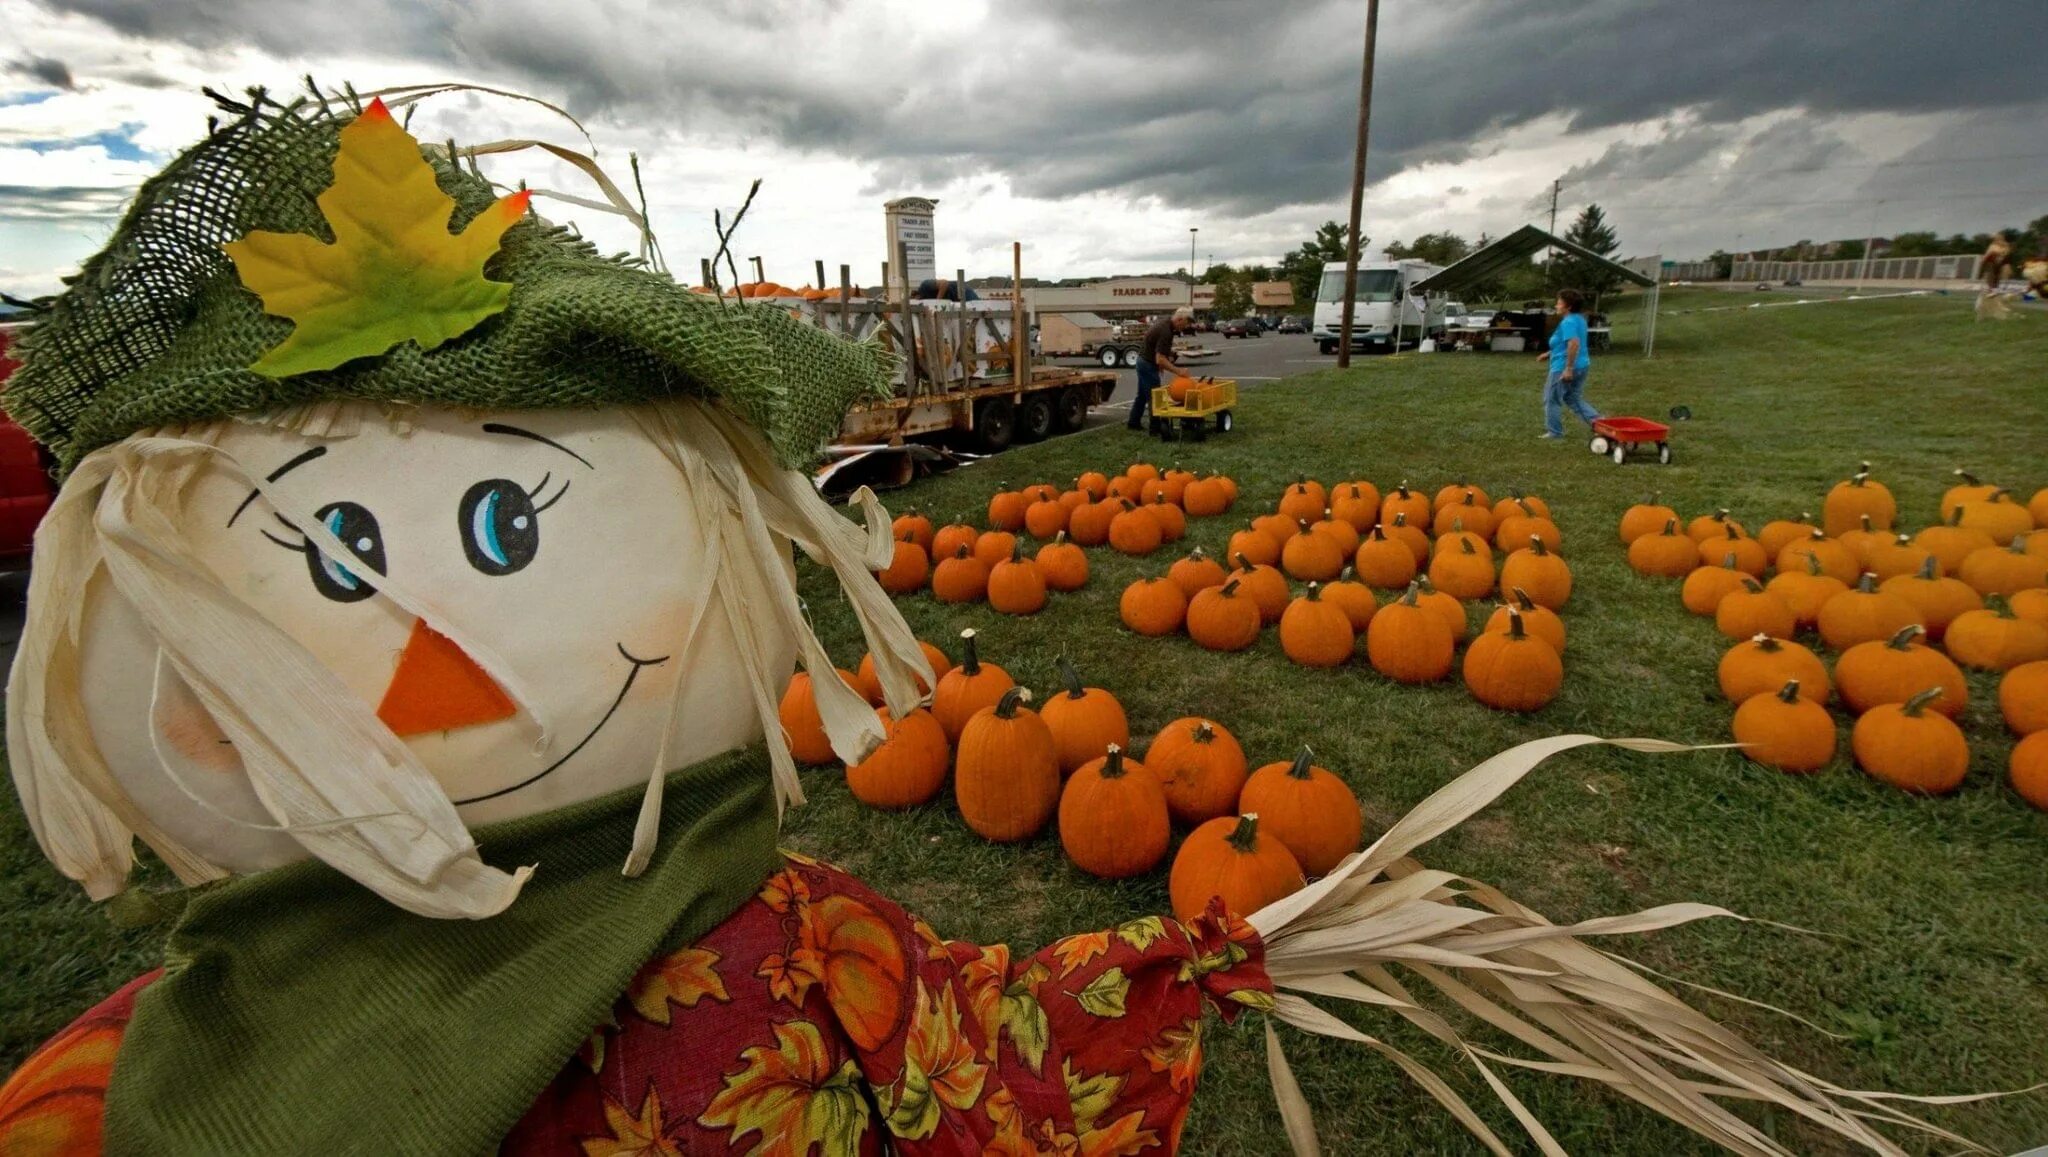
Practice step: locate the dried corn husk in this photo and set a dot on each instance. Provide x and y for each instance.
(1585, 1013)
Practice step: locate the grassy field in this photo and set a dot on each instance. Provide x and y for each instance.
(1934, 960)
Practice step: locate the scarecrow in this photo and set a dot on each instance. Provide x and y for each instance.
(419, 592)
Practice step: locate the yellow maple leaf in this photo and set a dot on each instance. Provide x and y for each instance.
(682, 977)
(1076, 951)
(641, 1135)
(792, 1096)
(393, 272)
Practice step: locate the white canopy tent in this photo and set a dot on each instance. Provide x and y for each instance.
(1524, 243)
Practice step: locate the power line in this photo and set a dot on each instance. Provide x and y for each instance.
(1632, 206)
(1814, 168)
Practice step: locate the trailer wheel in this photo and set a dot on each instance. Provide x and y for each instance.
(995, 424)
(1224, 422)
(1110, 357)
(1131, 358)
(1034, 417)
(1070, 412)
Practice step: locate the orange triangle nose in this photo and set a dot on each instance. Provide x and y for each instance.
(438, 688)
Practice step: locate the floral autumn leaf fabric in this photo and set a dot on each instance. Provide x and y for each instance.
(822, 1019)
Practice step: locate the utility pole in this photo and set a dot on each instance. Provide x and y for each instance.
(1372, 23)
(1556, 187)
(1192, 231)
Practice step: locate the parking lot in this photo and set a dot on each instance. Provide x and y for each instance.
(1252, 361)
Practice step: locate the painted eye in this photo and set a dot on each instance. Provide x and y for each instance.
(499, 526)
(356, 527)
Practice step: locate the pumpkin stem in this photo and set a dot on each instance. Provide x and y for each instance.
(1467, 544)
(972, 663)
(1766, 644)
(1072, 679)
(1902, 639)
(1315, 592)
(1403, 488)
(1515, 630)
(1458, 527)
(1789, 693)
(1866, 582)
(1752, 586)
(2018, 545)
(2000, 606)
(1728, 560)
(1927, 569)
(1967, 477)
(1918, 703)
(1955, 515)
(1303, 523)
(1813, 563)
(1409, 596)
(1244, 564)
(1301, 767)
(1671, 526)
(1349, 575)
(1536, 544)
(1017, 551)
(1522, 597)
(1015, 697)
(960, 552)
(1197, 555)
(1245, 837)
(1113, 763)
(2000, 495)
(1204, 733)
(1229, 589)
(1730, 528)
(1128, 504)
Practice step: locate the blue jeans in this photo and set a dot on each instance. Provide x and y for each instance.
(1560, 395)
(1148, 380)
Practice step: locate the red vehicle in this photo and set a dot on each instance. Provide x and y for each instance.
(1617, 436)
(25, 484)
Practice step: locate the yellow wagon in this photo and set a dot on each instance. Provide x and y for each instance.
(1189, 418)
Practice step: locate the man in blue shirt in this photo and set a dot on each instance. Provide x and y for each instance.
(1569, 362)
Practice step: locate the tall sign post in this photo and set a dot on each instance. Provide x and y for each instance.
(909, 224)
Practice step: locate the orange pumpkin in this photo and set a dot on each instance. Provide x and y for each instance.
(1095, 483)
(1645, 517)
(1897, 669)
(908, 569)
(1470, 517)
(1414, 538)
(1384, 562)
(1513, 670)
(1153, 607)
(1460, 569)
(1046, 519)
(1253, 545)
(1353, 598)
(1006, 776)
(1998, 516)
(1862, 540)
(1196, 572)
(1124, 488)
(802, 726)
(1265, 586)
(1339, 532)
(1172, 522)
(960, 579)
(1445, 607)
(1966, 489)
(1787, 730)
(909, 767)
(1409, 643)
(1753, 610)
(967, 689)
(1205, 498)
(2023, 697)
(1006, 509)
(1706, 586)
(1064, 565)
(1834, 559)
(1665, 554)
(1134, 532)
(1142, 472)
(1302, 502)
(1310, 557)
(1357, 503)
(1085, 721)
(1748, 553)
(1200, 766)
(1538, 570)
(1178, 388)
(1851, 501)
(2028, 771)
(1461, 493)
(1898, 558)
(1762, 664)
(1219, 620)
(1952, 543)
(1539, 621)
(1517, 503)
(1864, 613)
(869, 682)
(2003, 570)
(1780, 533)
(1277, 527)
(1015, 586)
(1939, 599)
(1176, 482)
(1911, 748)
(1089, 525)
(914, 527)
(949, 539)
(1113, 817)
(1402, 500)
(1995, 639)
(1806, 592)
(1316, 633)
(1073, 500)
(1231, 860)
(1307, 808)
(995, 546)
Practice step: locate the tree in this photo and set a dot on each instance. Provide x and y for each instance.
(1304, 266)
(1591, 232)
(1435, 248)
(1848, 250)
(1724, 263)
(1915, 245)
(1233, 296)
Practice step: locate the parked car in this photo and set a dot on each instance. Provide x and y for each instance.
(26, 489)
(1293, 325)
(1240, 327)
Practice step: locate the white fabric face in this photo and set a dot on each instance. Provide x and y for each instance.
(558, 548)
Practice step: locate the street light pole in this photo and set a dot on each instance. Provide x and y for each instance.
(1372, 22)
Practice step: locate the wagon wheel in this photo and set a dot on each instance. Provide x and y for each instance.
(1224, 422)
(1620, 454)
(1600, 444)
(1664, 453)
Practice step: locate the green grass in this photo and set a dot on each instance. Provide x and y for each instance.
(1935, 958)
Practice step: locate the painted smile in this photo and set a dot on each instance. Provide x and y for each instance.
(638, 665)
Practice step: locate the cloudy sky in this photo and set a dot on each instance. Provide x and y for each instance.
(1096, 133)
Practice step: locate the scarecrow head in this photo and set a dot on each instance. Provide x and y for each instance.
(389, 509)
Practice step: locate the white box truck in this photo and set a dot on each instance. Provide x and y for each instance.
(1388, 314)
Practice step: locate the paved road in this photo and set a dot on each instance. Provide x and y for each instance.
(1252, 361)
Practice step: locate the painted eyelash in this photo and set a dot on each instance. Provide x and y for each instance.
(533, 495)
(300, 547)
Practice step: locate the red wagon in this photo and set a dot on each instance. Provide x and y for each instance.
(1616, 437)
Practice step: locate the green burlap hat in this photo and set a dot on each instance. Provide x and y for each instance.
(157, 330)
